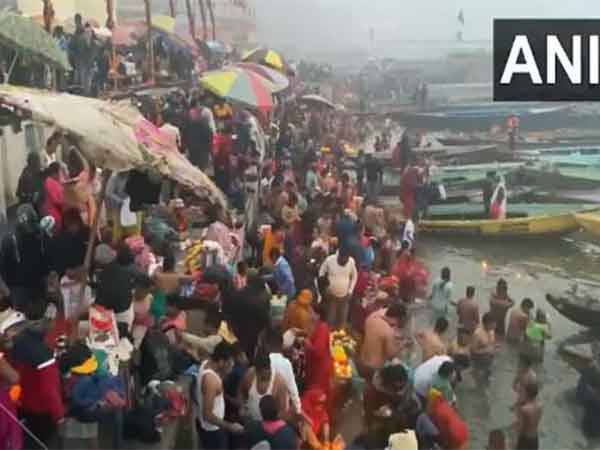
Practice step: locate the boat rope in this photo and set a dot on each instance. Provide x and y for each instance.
(23, 426)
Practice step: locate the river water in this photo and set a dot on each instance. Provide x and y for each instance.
(532, 269)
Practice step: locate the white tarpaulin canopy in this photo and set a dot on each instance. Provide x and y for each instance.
(66, 9)
(114, 135)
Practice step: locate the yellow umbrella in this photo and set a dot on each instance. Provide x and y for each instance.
(163, 23)
(267, 57)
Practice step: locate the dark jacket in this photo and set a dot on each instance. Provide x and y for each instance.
(251, 302)
(115, 286)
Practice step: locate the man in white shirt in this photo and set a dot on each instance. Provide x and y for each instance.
(340, 270)
(425, 372)
(281, 365)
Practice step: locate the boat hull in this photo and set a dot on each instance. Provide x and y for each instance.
(589, 221)
(537, 226)
(580, 314)
(484, 116)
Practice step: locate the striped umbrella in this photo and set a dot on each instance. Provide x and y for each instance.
(240, 86)
(267, 57)
(280, 81)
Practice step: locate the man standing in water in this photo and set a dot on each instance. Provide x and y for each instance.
(432, 340)
(483, 346)
(500, 303)
(441, 295)
(529, 415)
(468, 311)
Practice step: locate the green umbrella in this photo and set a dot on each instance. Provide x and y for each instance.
(28, 38)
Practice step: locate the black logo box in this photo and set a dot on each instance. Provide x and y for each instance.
(521, 87)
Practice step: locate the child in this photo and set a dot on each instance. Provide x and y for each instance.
(444, 380)
(518, 321)
(529, 414)
(525, 375)
(538, 331)
(241, 277)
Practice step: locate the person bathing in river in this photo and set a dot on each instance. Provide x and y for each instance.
(518, 321)
(528, 417)
(500, 303)
(525, 376)
(468, 311)
(431, 341)
(441, 295)
(483, 346)
(538, 332)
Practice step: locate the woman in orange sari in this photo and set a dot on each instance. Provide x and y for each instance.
(408, 185)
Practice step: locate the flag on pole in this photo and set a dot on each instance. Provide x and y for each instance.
(461, 17)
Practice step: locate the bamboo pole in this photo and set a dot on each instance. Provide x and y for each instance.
(106, 174)
(211, 14)
(172, 8)
(150, 57)
(48, 15)
(191, 19)
(203, 15)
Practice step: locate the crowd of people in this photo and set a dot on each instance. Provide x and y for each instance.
(315, 308)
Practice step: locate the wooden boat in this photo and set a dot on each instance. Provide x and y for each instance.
(467, 154)
(589, 221)
(555, 177)
(523, 220)
(482, 116)
(576, 310)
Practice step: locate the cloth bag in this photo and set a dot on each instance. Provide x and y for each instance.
(127, 217)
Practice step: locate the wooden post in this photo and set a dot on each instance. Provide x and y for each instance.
(191, 19)
(106, 174)
(110, 15)
(150, 58)
(12, 66)
(211, 14)
(110, 24)
(172, 8)
(48, 15)
(203, 15)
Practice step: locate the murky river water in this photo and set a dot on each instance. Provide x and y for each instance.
(532, 268)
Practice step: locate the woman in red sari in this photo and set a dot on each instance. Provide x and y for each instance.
(319, 364)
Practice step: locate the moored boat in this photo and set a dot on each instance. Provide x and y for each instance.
(483, 116)
(585, 314)
(523, 220)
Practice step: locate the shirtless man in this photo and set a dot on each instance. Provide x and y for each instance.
(518, 321)
(500, 303)
(525, 376)
(483, 346)
(432, 342)
(383, 339)
(529, 415)
(468, 311)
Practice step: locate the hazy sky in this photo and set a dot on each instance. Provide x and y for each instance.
(345, 24)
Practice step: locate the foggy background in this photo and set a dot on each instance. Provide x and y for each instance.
(324, 28)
